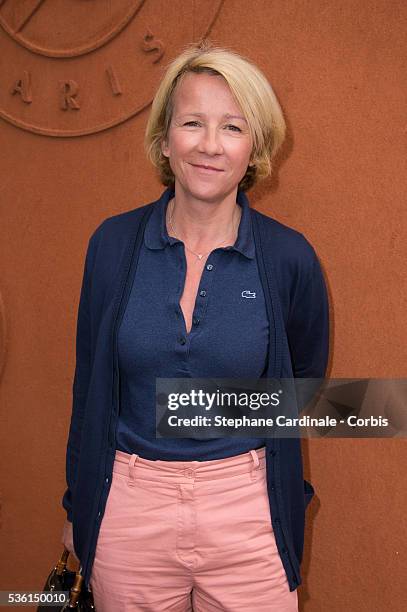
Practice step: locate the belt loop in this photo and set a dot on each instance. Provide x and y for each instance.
(255, 469)
(132, 470)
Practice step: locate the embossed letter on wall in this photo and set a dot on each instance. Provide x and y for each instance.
(77, 67)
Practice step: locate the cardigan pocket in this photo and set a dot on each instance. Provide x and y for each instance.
(308, 492)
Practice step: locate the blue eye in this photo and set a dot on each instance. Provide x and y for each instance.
(197, 123)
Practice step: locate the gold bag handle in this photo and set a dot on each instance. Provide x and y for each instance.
(76, 588)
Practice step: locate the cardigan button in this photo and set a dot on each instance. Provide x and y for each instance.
(182, 340)
(273, 452)
(277, 521)
(209, 267)
(202, 293)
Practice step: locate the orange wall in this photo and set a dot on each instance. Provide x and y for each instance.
(339, 71)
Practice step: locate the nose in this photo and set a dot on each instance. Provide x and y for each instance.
(210, 142)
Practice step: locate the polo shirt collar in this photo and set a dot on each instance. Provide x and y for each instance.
(156, 235)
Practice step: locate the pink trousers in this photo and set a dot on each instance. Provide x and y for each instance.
(178, 536)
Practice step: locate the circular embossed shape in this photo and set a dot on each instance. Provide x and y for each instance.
(28, 23)
(64, 80)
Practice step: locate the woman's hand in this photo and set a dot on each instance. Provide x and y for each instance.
(67, 539)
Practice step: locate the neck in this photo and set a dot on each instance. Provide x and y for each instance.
(203, 224)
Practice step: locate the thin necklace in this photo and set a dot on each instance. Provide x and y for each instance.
(198, 255)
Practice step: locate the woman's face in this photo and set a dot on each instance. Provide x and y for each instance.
(207, 128)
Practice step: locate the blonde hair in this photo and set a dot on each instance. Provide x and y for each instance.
(252, 92)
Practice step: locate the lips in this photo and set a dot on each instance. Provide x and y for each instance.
(205, 167)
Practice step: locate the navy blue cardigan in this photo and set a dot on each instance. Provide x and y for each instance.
(297, 308)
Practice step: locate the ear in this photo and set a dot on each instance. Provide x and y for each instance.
(253, 160)
(164, 148)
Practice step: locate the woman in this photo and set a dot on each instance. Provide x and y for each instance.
(195, 284)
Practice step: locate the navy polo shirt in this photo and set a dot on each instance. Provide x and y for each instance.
(229, 337)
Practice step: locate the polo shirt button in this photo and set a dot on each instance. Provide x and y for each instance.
(195, 320)
(209, 267)
(182, 340)
(202, 293)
